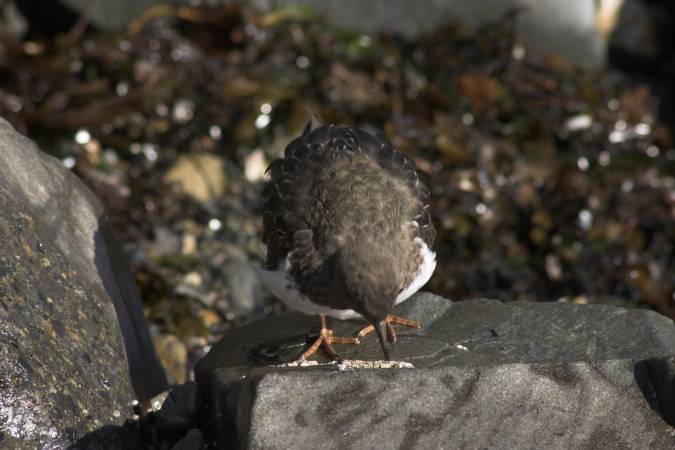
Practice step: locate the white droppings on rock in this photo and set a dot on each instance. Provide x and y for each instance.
(351, 364)
(302, 363)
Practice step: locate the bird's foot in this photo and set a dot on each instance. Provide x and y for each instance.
(326, 340)
(391, 334)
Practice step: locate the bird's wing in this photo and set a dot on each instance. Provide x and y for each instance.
(289, 185)
(401, 166)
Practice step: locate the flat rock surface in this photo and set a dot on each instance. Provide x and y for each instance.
(63, 370)
(476, 332)
(487, 375)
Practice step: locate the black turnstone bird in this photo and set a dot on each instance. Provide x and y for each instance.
(348, 231)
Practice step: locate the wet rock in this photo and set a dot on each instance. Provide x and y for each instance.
(486, 374)
(68, 308)
(172, 353)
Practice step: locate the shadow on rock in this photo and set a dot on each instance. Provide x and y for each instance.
(127, 437)
(656, 379)
(147, 376)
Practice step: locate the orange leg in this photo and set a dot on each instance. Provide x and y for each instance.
(325, 340)
(391, 334)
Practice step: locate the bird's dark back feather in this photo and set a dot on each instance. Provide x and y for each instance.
(292, 182)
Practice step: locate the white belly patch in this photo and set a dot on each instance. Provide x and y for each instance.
(282, 286)
(423, 274)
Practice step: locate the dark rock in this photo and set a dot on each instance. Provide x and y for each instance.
(179, 411)
(67, 306)
(111, 437)
(46, 19)
(661, 373)
(194, 440)
(638, 39)
(174, 423)
(487, 375)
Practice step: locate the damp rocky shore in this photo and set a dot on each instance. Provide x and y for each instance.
(550, 183)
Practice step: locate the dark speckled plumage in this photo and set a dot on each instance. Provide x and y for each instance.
(346, 208)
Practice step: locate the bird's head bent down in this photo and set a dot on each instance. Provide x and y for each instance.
(365, 270)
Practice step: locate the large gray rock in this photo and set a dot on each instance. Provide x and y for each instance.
(570, 28)
(487, 375)
(68, 306)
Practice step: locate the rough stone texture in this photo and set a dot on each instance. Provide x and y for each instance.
(63, 286)
(487, 375)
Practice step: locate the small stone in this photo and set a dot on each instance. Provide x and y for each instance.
(189, 244)
(246, 294)
(165, 243)
(580, 122)
(200, 175)
(255, 166)
(172, 353)
(209, 318)
(157, 401)
(193, 279)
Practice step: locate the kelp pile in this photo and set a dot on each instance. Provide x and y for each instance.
(549, 182)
